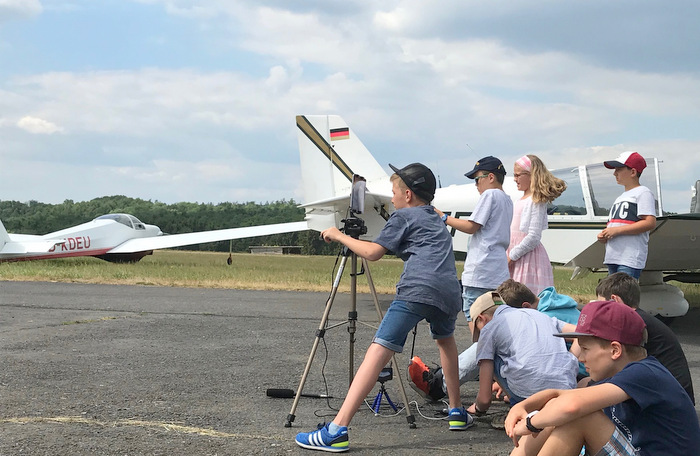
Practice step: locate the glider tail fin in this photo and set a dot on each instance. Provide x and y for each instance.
(4, 237)
(331, 154)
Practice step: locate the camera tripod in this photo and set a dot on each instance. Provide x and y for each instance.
(352, 325)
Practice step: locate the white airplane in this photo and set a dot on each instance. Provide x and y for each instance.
(119, 238)
(331, 155)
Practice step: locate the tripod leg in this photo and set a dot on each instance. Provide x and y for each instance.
(388, 399)
(319, 334)
(409, 417)
(352, 317)
(377, 402)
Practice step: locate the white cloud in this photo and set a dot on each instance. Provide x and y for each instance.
(13, 9)
(38, 126)
(417, 82)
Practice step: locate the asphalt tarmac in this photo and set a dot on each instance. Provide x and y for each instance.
(130, 370)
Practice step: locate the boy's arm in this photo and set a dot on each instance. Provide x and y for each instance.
(366, 249)
(466, 226)
(483, 397)
(557, 407)
(644, 224)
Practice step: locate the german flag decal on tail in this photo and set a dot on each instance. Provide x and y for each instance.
(340, 133)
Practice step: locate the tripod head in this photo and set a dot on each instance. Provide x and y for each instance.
(354, 226)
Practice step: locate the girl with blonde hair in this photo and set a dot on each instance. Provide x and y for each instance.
(527, 258)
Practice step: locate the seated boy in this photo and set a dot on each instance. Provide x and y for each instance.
(635, 408)
(662, 343)
(515, 348)
(415, 233)
(429, 382)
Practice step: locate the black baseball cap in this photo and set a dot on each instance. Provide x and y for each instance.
(490, 164)
(419, 179)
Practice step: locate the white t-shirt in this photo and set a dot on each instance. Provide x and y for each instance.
(486, 265)
(630, 250)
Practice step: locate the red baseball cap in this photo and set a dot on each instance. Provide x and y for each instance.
(610, 320)
(630, 159)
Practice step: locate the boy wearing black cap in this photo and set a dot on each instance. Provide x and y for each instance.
(632, 216)
(486, 266)
(636, 407)
(427, 290)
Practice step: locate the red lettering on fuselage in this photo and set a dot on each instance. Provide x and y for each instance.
(76, 243)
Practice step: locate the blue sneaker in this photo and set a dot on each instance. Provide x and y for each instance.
(459, 419)
(323, 440)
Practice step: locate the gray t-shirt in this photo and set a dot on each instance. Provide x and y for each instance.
(533, 359)
(420, 239)
(486, 265)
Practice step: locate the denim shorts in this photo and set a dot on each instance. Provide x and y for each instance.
(497, 364)
(613, 268)
(402, 316)
(469, 295)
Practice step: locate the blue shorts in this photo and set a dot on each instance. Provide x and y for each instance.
(469, 295)
(613, 268)
(497, 364)
(403, 316)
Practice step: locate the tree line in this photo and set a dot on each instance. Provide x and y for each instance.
(34, 217)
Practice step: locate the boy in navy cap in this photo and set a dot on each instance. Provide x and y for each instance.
(486, 266)
(632, 216)
(645, 411)
(427, 290)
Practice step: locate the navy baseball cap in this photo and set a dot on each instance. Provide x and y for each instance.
(419, 179)
(490, 164)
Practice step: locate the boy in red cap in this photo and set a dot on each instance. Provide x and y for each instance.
(635, 407)
(632, 216)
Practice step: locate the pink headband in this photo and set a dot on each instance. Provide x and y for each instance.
(524, 162)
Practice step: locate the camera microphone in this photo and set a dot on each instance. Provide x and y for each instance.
(285, 393)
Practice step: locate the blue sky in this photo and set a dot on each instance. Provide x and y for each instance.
(183, 100)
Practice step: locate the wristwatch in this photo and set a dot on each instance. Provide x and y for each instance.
(444, 218)
(529, 424)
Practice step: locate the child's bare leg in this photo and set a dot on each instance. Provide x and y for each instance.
(529, 445)
(376, 358)
(593, 430)
(449, 358)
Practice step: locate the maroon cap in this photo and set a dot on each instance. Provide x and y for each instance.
(630, 159)
(611, 321)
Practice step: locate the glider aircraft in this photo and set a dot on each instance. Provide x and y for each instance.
(119, 238)
(332, 155)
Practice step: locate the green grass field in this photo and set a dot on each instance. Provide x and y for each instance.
(177, 268)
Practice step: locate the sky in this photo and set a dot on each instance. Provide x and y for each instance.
(185, 100)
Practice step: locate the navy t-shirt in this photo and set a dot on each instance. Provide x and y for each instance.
(659, 419)
(420, 239)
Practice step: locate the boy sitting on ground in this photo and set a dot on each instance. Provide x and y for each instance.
(636, 407)
(662, 343)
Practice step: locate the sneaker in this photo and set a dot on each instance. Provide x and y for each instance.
(322, 440)
(424, 380)
(459, 419)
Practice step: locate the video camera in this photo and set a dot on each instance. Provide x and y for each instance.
(354, 226)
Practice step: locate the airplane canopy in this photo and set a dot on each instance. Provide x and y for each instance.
(125, 219)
